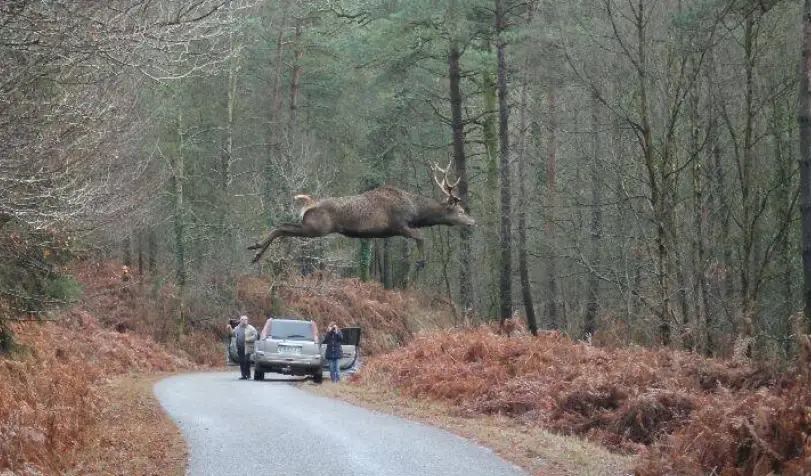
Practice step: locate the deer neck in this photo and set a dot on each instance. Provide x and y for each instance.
(429, 213)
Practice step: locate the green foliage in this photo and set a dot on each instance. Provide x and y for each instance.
(365, 260)
(30, 261)
(9, 346)
(63, 289)
(6, 340)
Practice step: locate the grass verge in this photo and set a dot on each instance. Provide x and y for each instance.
(539, 452)
(133, 436)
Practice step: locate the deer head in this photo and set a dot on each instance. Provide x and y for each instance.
(454, 211)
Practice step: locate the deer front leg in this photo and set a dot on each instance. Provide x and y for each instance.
(421, 254)
(417, 236)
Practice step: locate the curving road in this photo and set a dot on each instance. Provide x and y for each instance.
(238, 427)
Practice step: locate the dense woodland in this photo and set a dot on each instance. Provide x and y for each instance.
(634, 166)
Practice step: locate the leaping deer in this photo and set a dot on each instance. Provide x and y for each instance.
(379, 213)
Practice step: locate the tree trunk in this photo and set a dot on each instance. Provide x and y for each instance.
(140, 251)
(490, 223)
(460, 162)
(784, 249)
(365, 260)
(551, 200)
(295, 80)
(656, 182)
(126, 245)
(593, 293)
(388, 282)
(177, 183)
(152, 252)
(505, 281)
(699, 244)
(296, 133)
(227, 156)
(269, 191)
(723, 279)
(404, 270)
(707, 254)
(523, 265)
(748, 219)
(804, 122)
(377, 261)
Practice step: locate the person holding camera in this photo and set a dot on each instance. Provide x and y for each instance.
(245, 335)
(333, 339)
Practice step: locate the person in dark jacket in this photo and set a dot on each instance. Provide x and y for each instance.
(333, 338)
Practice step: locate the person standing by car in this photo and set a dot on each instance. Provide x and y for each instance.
(333, 338)
(245, 335)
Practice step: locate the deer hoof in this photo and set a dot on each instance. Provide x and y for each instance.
(255, 246)
(420, 263)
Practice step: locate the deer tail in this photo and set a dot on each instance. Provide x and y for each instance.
(309, 202)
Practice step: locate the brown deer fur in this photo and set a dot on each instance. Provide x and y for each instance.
(379, 213)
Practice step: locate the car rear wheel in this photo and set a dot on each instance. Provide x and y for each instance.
(318, 376)
(258, 374)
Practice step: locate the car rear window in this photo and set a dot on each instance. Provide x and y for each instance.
(291, 330)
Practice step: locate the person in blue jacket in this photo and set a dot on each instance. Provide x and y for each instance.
(333, 338)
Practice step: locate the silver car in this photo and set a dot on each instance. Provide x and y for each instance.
(293, 347)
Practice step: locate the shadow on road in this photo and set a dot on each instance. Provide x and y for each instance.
(283, 379)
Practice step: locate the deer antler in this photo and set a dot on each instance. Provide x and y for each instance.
(434, 169)
(446, 188)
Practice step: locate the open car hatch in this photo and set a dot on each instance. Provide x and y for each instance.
(350, 347)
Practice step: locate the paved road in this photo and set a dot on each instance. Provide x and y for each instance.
(288, 431)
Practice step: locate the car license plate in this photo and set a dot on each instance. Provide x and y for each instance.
(289, 349)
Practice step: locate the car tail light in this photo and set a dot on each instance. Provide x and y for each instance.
(315, 332)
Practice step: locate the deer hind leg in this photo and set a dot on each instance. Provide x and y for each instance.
(285, 229)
